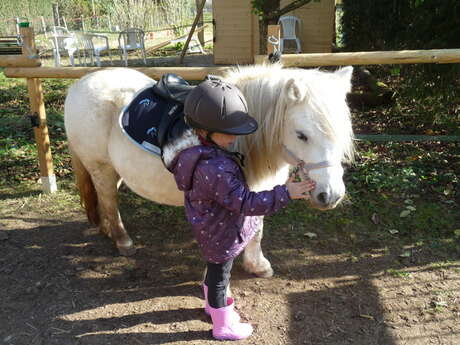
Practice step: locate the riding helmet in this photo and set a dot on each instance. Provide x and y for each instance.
(217, 106)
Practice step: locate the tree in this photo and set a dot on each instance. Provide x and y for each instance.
(269, 12)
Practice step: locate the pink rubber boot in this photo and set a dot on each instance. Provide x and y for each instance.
(206, 304)
(207, 307)
(224, 326)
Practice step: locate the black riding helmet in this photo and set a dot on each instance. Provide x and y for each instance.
(217, 106)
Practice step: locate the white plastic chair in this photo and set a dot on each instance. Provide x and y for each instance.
(288, 25)
(100, 44)
(60, 30)
(86, 47)
(63, 40)
(92, 45)
(129, 40)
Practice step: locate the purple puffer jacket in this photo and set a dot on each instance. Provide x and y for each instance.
(218, 203)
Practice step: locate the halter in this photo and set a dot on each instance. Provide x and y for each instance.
(305, 168)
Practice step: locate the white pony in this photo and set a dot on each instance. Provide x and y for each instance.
(302, 116)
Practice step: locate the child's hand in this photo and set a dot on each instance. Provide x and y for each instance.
(299, 190)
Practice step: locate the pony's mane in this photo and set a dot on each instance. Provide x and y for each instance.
(265, 92)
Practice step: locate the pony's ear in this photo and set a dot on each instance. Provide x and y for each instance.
(293, 92)
(345, 75)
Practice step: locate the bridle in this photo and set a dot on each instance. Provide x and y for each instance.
(305, 168)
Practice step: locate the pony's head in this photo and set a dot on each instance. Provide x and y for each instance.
(303, 116)
(317, 130)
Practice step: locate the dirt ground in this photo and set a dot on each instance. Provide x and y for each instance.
(62, 283)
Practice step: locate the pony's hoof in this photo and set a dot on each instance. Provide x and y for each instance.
(263, 271)
(268, 273)
(127, 251)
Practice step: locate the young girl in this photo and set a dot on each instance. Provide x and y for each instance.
(218, 203)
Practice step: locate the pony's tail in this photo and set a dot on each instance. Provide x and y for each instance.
(88, 194)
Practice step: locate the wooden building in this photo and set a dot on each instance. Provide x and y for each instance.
(236, 31)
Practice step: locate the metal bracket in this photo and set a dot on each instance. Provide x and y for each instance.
(34, 120)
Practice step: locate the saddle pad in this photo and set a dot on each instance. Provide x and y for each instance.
(151, 121)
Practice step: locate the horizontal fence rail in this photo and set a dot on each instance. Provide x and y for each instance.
(189, 73)
(407, 138)
(368, 58)
(18, 60)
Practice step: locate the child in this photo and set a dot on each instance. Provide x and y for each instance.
(218, 203)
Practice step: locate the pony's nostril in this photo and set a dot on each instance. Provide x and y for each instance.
(322, 197)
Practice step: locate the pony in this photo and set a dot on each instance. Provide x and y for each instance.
(303, 118)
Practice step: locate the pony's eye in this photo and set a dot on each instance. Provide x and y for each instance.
(302, 136)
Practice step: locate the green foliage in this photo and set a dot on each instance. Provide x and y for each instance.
(179, 46)
(398, 273)
(398, 25)
(405, 24)
(257, 7)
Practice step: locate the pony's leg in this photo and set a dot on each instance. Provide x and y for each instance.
(254, 260)
(105, 180)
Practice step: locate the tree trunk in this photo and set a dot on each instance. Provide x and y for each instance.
(262, 37)
(268, 7)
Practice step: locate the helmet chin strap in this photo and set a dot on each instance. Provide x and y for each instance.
(305, 168)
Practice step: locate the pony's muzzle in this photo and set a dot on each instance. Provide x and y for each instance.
(325, 200)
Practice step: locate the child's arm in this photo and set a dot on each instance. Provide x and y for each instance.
(231, 193)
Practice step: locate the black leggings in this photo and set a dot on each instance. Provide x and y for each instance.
(217, 279)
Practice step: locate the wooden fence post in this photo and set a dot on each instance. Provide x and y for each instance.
(38, 117)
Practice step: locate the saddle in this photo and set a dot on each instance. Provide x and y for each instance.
(155, 116)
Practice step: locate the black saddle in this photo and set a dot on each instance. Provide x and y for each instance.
(173, 87)
(155, 116)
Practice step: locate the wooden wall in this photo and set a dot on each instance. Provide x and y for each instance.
(233, 32)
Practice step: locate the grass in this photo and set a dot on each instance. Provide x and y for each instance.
(398, 194)
(398, 273)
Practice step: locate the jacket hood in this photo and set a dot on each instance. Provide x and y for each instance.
(172, 149)
(184, 165)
